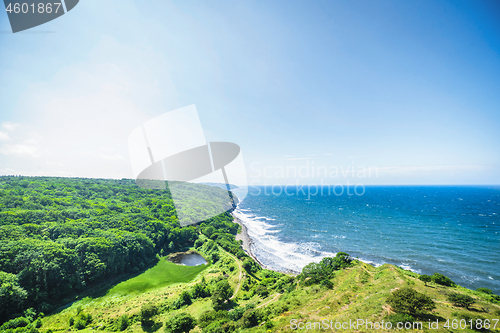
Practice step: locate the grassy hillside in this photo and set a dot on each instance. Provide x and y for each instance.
(163, 274)
(358, 292)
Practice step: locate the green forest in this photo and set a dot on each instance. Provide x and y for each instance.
(59, 236)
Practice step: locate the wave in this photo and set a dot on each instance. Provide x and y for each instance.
(274, 253)
(283, 256)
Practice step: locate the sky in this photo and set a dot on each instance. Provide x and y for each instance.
(314, 92)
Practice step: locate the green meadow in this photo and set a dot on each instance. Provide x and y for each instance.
(162, 274)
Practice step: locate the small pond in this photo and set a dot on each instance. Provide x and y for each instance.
(192, 259)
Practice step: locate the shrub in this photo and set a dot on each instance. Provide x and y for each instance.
(221, 326)
(442, 280)
(198, 243)
(399, 318)
(200, 290)
(461, 300)
(147, 312)
(214, 257)
(208, 317)
(409, 301)
(468, 317)
(123, 322)
(250, 266)
(71, 321)
(180, 323)
(250, 318)
(261, 291)
(425, 278)
(221, 293)
(485, 291)
(15, 323)
(80, 323)
(238, 312)
(327, 283)
(184, 299)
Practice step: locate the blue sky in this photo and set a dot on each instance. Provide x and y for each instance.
(408, 88)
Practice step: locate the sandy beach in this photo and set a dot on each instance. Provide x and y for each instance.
(247, 241)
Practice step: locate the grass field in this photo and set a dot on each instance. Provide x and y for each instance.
(359, 292)
(163, 274)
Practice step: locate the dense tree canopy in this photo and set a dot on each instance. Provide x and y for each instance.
(59, 236)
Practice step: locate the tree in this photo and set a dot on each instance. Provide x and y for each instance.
(485, 290)
(123, 322)
(180, 323)
(342, 260)
(425, 278)
(147, 312)
(408, 300)
(261, 291)
(12, 296)
(316, 272)
(184, 299)
(313, 273)
(461, 300)
(442, 280)
(199, 290)
(221, 293)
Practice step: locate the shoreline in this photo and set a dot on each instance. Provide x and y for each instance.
(247, 247)
(247, 241)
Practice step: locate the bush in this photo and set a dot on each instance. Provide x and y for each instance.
(180, 323)
(198, 243)
(261, 291)
(80, 323)
(327, 283)
(82, 320)
(409, 301)
(221, 326)
(442, 280)
(200, 290)
(425, 278)
(71, 321)
(250, 318)
(15, 323)
(399, 318)
(214, 257)
(147, 312)
(238, 312)
(184, 299)
(461, 300)
(468, 317)
(221, 293)
(485, 291)
(122, 322)
(207, 317)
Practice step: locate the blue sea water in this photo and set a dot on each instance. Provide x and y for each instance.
(454, 230)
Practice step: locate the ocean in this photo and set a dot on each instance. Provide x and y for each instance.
(453, 230)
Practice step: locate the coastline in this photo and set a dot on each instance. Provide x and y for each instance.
(247, 241)
(247, 247)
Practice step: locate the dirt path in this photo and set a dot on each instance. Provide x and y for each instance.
(240, 268)
(270, 301)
